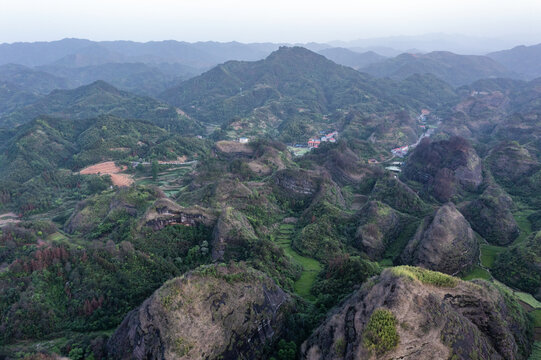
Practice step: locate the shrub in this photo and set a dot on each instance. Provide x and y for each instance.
(380, 333)
(426, 276)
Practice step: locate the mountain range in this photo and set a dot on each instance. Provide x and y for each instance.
(284, 203)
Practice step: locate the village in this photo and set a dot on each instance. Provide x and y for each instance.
(402, 151)
(331, 136)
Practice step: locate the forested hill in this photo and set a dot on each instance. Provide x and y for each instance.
(295, 91)
(100, 98)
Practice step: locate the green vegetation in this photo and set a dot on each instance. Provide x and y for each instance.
(380, 334)
(310, 267)
(528, 299)
(100, 98)
(305, 81)
(319, 223)
(425, 276)
(489, 254)
(536, 316)
(78, 285)
(536, 351)
(523, 220)
(517, 265)
(341, 276)
(395, 248)
(477, 273)
(37, 174)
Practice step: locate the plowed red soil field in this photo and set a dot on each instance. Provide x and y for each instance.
(109, 168)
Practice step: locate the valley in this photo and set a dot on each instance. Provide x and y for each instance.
(273, 204)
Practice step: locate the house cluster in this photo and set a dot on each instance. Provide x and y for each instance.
(243, 140)
(401, 151)
(315, 142)
(422, 117)
(479, 93)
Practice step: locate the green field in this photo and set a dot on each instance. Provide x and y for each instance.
(489, 253)
(528, 299)
(56, 237)
(521, 217)
(477, 273)
(536, 351)
(298, 151)
(311, 267)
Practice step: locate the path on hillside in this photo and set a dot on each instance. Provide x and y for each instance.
(310, 267)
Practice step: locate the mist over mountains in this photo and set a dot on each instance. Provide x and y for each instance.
(151, 68)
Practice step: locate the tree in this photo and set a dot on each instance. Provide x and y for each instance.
(154, 170)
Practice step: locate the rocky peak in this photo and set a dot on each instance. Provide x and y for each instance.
(434, 316)
(215, 312)
(444, 242)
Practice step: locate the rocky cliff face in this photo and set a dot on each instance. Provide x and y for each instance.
(444, 242)
(231, 236)
(165, 212)
(379, 224)
(445, 167)
(215, 312)
(300, 183)
(490, 215)
(434, 317)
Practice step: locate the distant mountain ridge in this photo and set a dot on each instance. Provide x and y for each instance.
(454, 69)
(524, 60)
(79, 52)
(31, 80)
(351, 58)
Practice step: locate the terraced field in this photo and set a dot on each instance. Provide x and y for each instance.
(168, 180)
(311, 267)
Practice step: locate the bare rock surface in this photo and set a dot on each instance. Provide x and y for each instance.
(444, 242)
(215, 312)
(436, 317)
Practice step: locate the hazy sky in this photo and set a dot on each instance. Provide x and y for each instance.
(262, 20)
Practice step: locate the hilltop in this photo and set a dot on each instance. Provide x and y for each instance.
(294, 93)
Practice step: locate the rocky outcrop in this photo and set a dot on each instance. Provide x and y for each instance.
(490, 215)
(234, 149)
(216, 312)
(379, 224)
(165, 212)
(435, 317)
(232, 236)
(509, 162)
(445, 167)
(300, 183)
(444, 242)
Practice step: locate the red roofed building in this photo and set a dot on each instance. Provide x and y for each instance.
(314, 143)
